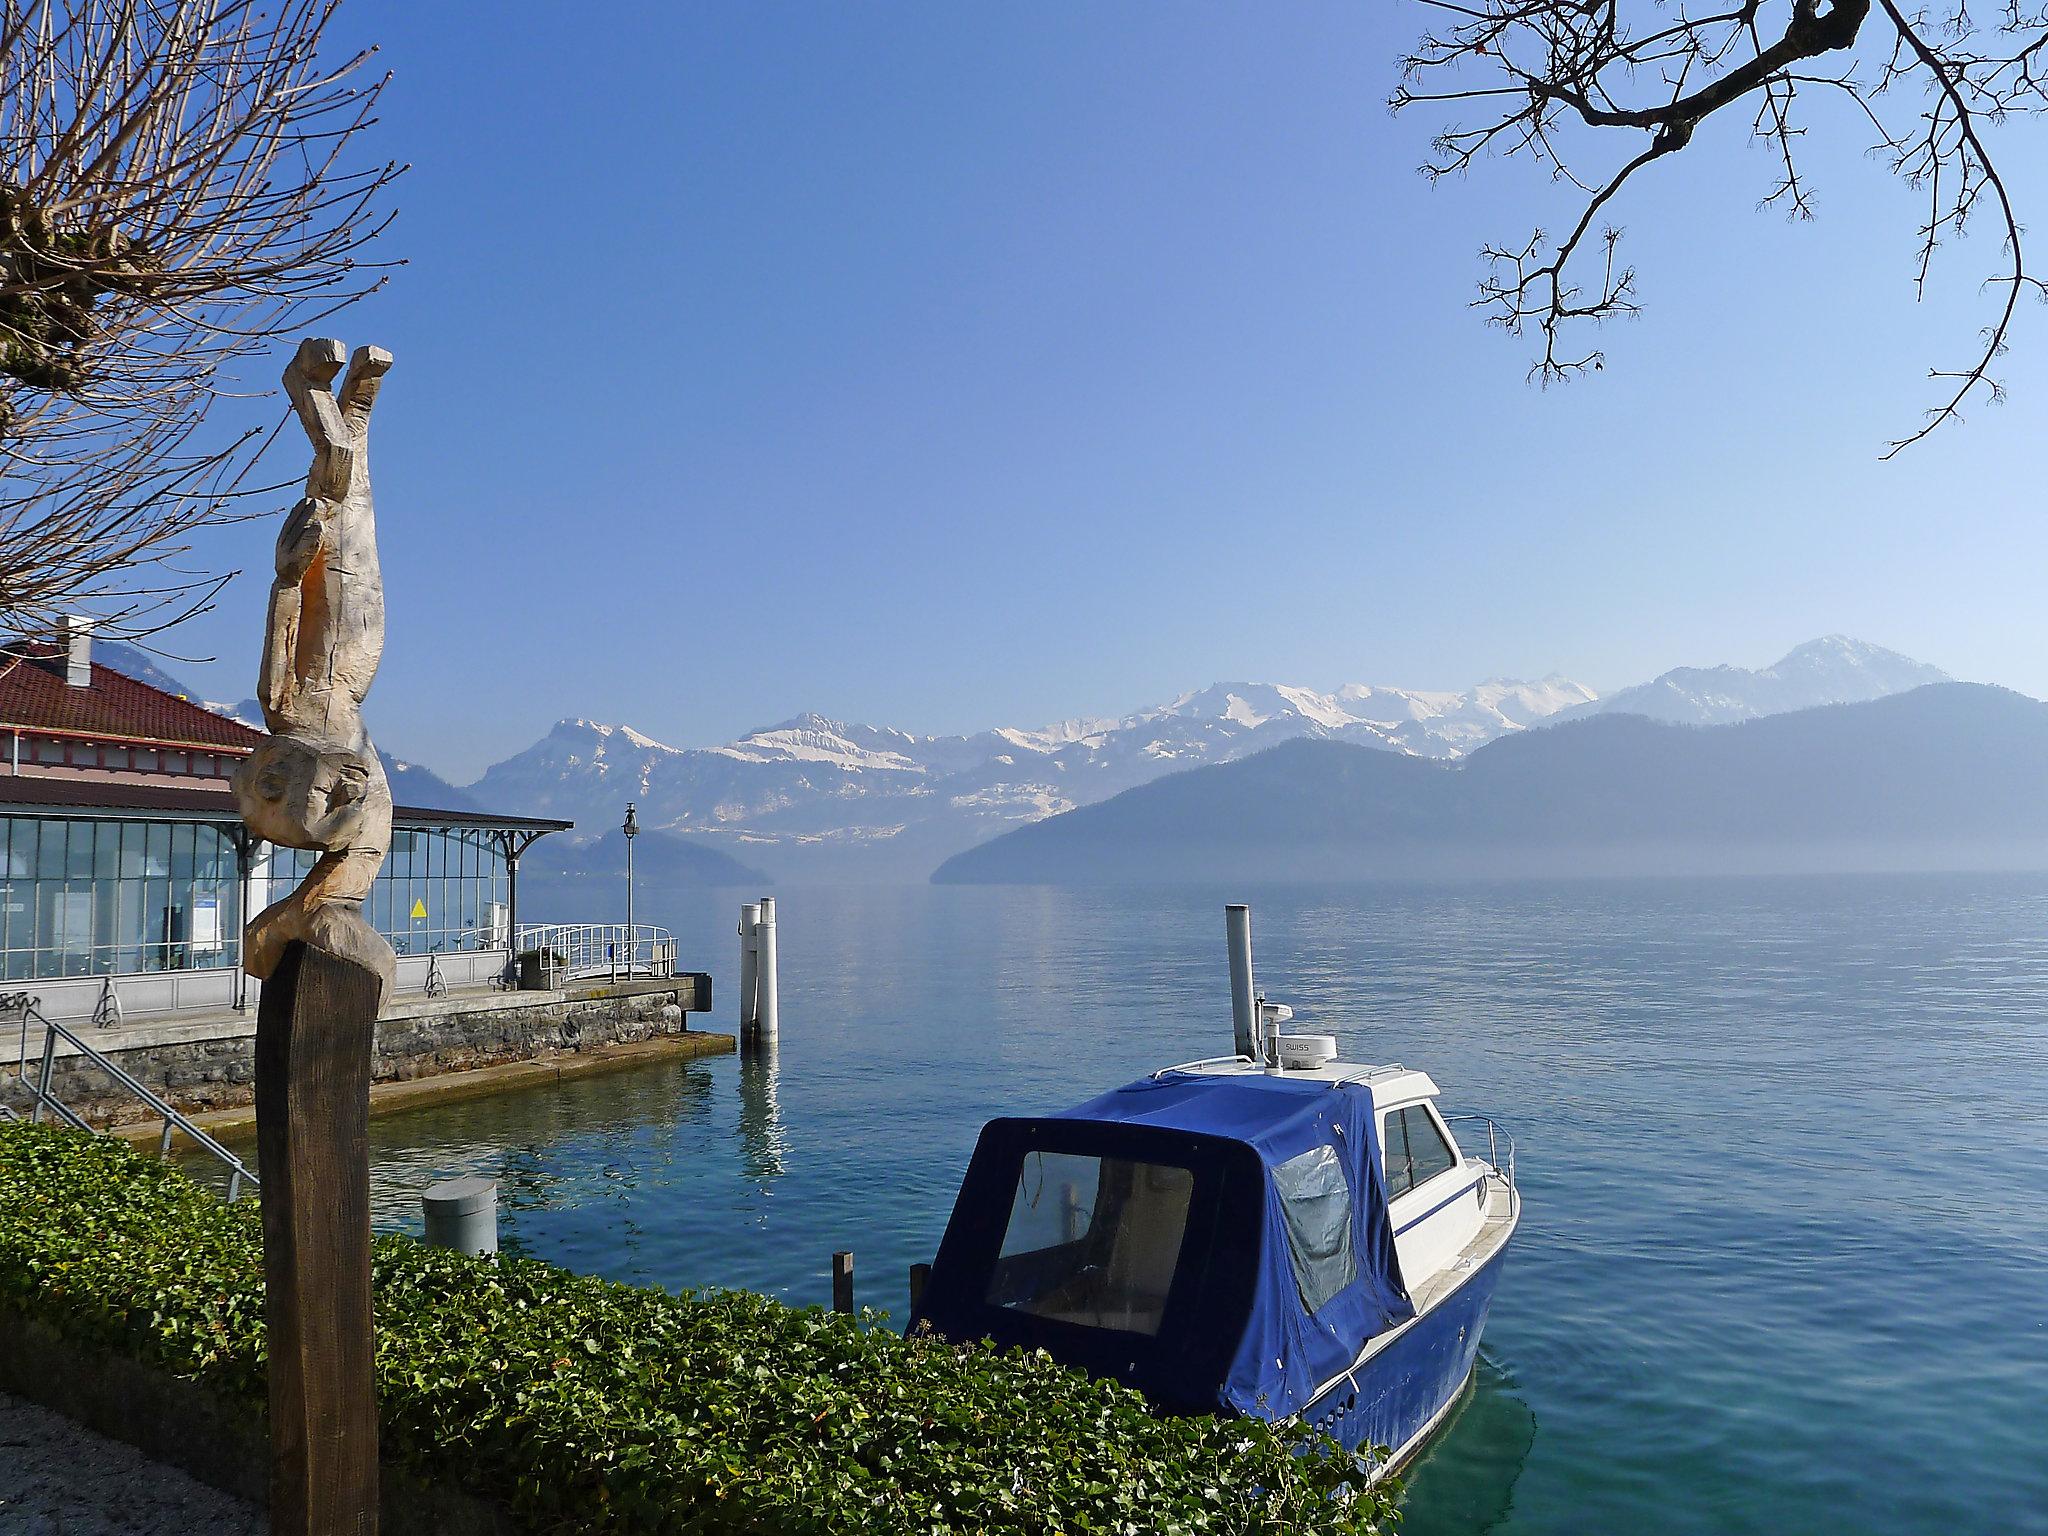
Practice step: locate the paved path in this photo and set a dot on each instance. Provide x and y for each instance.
(58, 1479)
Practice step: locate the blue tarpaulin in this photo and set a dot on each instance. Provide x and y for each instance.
(1268, 1301)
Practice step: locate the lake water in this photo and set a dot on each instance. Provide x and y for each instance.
(1783, 1147)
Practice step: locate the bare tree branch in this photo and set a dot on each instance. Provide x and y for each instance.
(1557, 78)
(175, 193)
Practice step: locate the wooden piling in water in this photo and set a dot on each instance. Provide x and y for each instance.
(842, 1281)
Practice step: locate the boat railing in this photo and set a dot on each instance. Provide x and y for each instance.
(1497, 1137)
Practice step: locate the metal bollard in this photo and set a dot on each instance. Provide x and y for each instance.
(462, 1214)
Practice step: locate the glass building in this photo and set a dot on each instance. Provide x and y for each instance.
(122, 854)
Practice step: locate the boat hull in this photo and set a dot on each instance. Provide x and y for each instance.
(1404, 1391)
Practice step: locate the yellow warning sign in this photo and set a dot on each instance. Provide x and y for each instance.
(419, 906)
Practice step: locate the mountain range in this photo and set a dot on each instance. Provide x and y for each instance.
(1946, 776)
(818, 798)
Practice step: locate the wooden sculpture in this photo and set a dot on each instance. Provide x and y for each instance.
(317, 782)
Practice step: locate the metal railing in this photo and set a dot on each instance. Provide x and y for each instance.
(579, 951)
(42, 1099)
(1496, 1134)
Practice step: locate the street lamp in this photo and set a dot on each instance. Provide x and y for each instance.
(632, 830)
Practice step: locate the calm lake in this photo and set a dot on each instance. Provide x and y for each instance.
(1783, 1146)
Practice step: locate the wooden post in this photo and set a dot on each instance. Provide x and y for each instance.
(313, 1033)
(919, 1275)
(842, 1282)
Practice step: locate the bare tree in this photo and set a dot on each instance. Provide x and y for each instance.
(1625, 83)
(175, 192)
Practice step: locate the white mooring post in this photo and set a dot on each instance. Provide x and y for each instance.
(766, 1014)
(1237, 927)
(758, 1013)
(462, 1214)
(750, 971)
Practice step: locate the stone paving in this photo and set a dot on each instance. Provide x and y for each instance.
(58, 1479)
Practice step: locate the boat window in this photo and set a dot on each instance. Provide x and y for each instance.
(1315, 1199)
(1394, 1136)
(1427, 1149)
(1093, 1240)
(1416, 1150)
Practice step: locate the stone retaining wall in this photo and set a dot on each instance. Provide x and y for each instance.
(414, 1039)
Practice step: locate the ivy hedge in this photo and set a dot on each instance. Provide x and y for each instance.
(577, 1404)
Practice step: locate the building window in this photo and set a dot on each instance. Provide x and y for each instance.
(441, 891)
(94, 898)
(114, 757)
(48, 751)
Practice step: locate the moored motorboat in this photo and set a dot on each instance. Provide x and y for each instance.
(1275, 1233)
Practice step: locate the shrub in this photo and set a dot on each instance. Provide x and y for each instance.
(578, 1404)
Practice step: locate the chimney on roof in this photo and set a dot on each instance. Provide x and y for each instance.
(76, 632)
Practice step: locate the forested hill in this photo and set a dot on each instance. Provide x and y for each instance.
(1953, 775)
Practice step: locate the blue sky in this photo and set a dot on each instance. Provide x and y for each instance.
(947, 367)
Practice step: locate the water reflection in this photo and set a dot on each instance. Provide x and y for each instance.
(764, 1142)
(1465, 1482)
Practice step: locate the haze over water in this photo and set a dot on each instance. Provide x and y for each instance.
(1785, 1250)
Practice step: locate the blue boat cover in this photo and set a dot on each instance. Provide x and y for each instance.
(1238, 1330)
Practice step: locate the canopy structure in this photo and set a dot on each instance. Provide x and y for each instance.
(1217, 1241)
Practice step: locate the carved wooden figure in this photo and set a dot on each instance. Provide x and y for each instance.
(317, 782)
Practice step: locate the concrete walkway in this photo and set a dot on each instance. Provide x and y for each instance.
(58, 1479)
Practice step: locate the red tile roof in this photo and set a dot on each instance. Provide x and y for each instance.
(35, 697)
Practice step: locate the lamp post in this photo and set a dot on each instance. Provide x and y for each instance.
(632, 830)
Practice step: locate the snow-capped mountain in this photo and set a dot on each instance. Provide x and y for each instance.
(1831, 670)
(820, 796)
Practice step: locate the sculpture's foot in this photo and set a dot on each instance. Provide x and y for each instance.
(338, 927)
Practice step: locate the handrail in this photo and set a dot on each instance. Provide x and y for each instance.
(39, 1090)
(1496, 1133)
(597, 949)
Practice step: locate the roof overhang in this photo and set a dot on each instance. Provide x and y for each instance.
(98, 799)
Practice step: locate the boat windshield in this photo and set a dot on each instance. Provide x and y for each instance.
(1093, 1240)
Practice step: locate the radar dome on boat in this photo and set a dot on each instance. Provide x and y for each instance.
(1298, 1053)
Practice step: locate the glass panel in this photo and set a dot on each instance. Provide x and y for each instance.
(1315, 1200)
(1093, 1241)
(21, 852)
(1427, 1149)
(1400, 1172)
